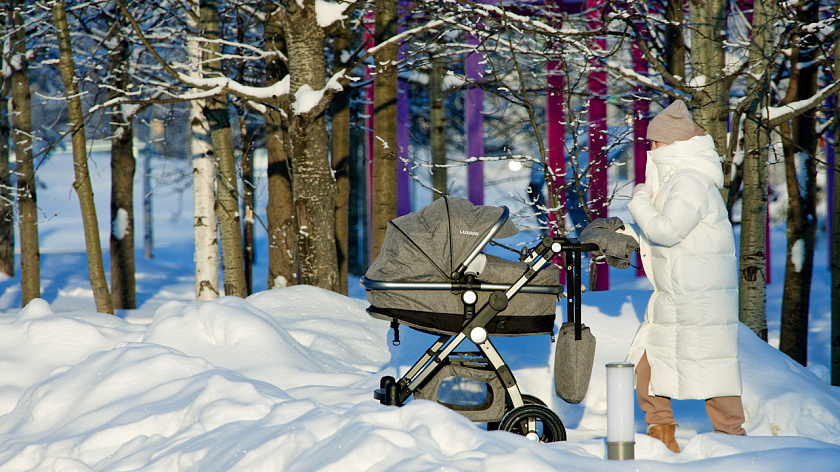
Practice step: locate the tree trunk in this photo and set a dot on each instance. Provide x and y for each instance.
(7, 202)
(123, 166)
(437, 131)
(82, 182)
(204, 185)
(246, 149)
(752, 294)
(801, 228)
(710, 102)
(340, 111)
(384, 124)
(674, 40)
(314, 185)
(282, 258)
(30, 253)
(247, 202)
(227, 193)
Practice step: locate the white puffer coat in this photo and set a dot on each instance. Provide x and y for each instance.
(690, 330)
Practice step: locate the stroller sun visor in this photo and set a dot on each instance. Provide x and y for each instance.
(428, 245)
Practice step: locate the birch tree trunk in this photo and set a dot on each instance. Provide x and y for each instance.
(314, 185)
(282, 255)
(801, 227)
(82, 182)
(710, 98)
(340, 111)
(30, 253)
(7, 202)
(752, 295)
(123, 166)
(384, 124)
(218, 118)
(204, 183)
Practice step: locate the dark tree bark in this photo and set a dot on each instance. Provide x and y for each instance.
(248, 185)
(801, 227)
(123, 166)
(282, 256)
(314, 184)
(82, 182)
(674, 40)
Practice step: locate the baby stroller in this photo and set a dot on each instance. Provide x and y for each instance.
(431, 275)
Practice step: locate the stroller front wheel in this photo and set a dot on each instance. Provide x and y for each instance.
(536, 421)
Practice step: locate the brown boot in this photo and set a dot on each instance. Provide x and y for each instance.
(665, 433)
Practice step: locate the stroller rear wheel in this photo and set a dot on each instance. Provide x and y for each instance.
(534, 421)
(527, 399)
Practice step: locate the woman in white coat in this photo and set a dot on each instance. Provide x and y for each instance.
(687, 346)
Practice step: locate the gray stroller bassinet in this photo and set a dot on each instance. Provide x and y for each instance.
(431, 275)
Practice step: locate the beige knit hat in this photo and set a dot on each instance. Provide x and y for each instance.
(673, 124)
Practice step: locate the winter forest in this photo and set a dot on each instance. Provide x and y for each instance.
(351, 103)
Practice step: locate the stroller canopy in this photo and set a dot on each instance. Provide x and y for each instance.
(429, 244)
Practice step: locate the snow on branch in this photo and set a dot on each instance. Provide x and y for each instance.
(777, 115)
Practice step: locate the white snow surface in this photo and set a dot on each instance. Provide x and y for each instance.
(283, 380)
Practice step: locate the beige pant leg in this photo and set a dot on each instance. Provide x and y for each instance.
(657, 409)
(726, 415)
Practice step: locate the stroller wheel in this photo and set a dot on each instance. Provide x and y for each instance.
(534, 421)
(527, 399)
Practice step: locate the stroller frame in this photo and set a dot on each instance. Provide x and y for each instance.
(506, 407)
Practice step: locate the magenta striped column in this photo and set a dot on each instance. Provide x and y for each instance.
(598, 136)
(641, 108)
(474, 123)
(555, 150)
(403, 138)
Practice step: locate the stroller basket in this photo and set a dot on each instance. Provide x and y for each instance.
(431, 275)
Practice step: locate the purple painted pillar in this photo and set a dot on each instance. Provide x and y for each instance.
(403, 172)
(597, 136)
(474, 123)
(556, 151)
(829, 155)
(641, 108)
(829, 141)
(403, 175)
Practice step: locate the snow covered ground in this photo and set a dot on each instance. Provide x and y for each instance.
(283, 380)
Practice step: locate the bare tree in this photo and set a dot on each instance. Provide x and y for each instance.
(82, 183)
(384, 205)
(227, 193)
(123, 165)
(30, 253)
(204, 180)
(282, 253)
